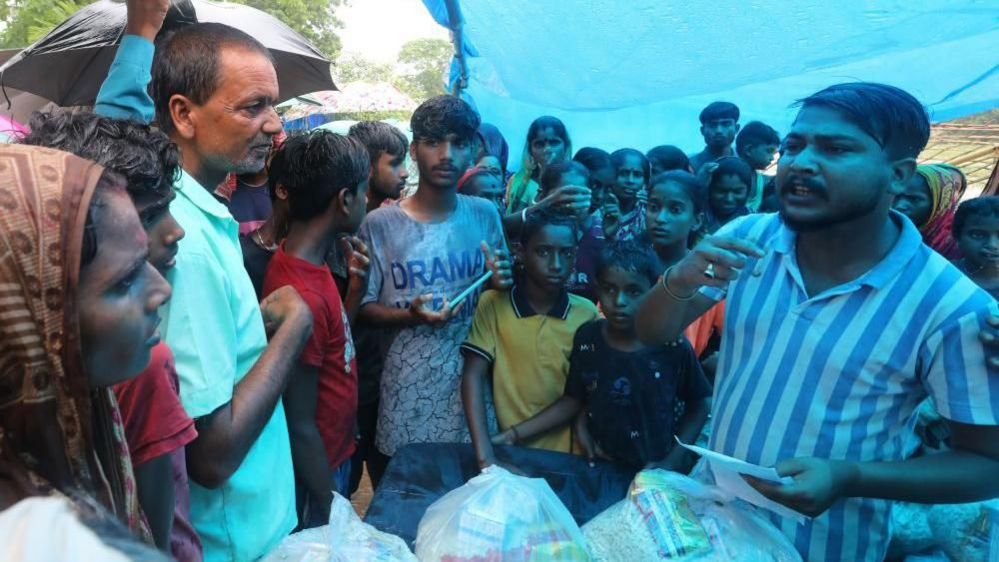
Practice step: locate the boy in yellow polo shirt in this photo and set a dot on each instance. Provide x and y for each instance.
(524, 337)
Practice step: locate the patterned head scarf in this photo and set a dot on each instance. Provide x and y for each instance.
(57, 435)
(947, 185)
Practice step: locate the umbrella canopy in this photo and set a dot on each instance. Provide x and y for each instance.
(355, 97)
(69, 64)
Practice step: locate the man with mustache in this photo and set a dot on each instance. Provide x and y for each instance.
(425, 250)
(214, 89)
(719, 125)
(839, 323)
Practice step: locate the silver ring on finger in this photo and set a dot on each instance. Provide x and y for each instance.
(709, 271)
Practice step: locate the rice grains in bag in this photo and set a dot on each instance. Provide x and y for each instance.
(498, 516)
(668, 516)
(345, 539)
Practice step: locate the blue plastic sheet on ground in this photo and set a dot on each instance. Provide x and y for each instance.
(637, 73)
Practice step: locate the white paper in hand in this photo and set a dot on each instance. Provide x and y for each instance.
(728, 471)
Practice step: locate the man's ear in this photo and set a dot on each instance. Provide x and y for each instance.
(737, 127)
(344, 201)
(412, 150)
(901, 172)
(184, 116)
(281, 192)
(702, 131)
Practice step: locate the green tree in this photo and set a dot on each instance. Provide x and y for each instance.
(422, 67)
(28, 20)
(355, 68)
(315, 19)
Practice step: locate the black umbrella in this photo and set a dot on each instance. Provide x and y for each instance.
(69, 64)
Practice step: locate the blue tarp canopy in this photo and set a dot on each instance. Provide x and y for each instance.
(637, 72)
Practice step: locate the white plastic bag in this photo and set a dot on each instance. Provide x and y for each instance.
(499, 516)
(310, 545)
(967, 532)
(345, 539)
(669, 516)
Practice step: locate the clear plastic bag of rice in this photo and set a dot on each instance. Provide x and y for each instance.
(498, 516)
(967, 532)
(669, 516)
(345, 539)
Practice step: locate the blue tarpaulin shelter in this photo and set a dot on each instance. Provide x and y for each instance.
(637, 72)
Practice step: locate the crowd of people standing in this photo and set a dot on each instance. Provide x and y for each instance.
(211, 327)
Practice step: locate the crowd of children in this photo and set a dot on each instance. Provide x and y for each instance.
(591, 302)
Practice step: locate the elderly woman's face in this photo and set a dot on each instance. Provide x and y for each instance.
(119, 296)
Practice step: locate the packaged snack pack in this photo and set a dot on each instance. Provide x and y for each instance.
(668, 516)
(498, 516)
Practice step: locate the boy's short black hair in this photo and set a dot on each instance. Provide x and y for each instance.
(546, 217)
(187, 63)
(890, 115)
(380, 138)
(668, 157)
(618, 156)
(984, 206)
(755, 133)
(441, 116)
(719, 110)
(593, 158)
(733, 166)
(553, 175)
(632, 256)
(148, 160)
(315, 167)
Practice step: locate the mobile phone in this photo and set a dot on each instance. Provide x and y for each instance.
(464, 294)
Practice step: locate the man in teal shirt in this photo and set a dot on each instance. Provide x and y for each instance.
(215, 88)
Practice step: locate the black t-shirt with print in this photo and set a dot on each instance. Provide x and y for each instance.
(631, 397)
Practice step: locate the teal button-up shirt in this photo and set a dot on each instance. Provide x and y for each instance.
(214, 327)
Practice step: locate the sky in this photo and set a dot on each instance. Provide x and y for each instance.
(376, 29)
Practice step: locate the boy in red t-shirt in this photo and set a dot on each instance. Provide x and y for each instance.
(326, 178)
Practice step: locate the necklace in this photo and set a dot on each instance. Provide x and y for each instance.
(259, 241)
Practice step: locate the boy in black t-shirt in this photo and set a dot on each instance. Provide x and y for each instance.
(627, 392)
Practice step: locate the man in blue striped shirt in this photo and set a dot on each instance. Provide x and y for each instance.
(839, 322)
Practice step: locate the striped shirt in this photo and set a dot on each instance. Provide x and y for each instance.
(839, 375)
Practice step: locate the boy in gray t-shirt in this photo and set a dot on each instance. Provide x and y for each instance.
(424, 251)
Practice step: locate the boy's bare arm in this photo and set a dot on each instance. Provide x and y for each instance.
(472, 380)
(689, 428)
(557, 414)
(418, 313)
